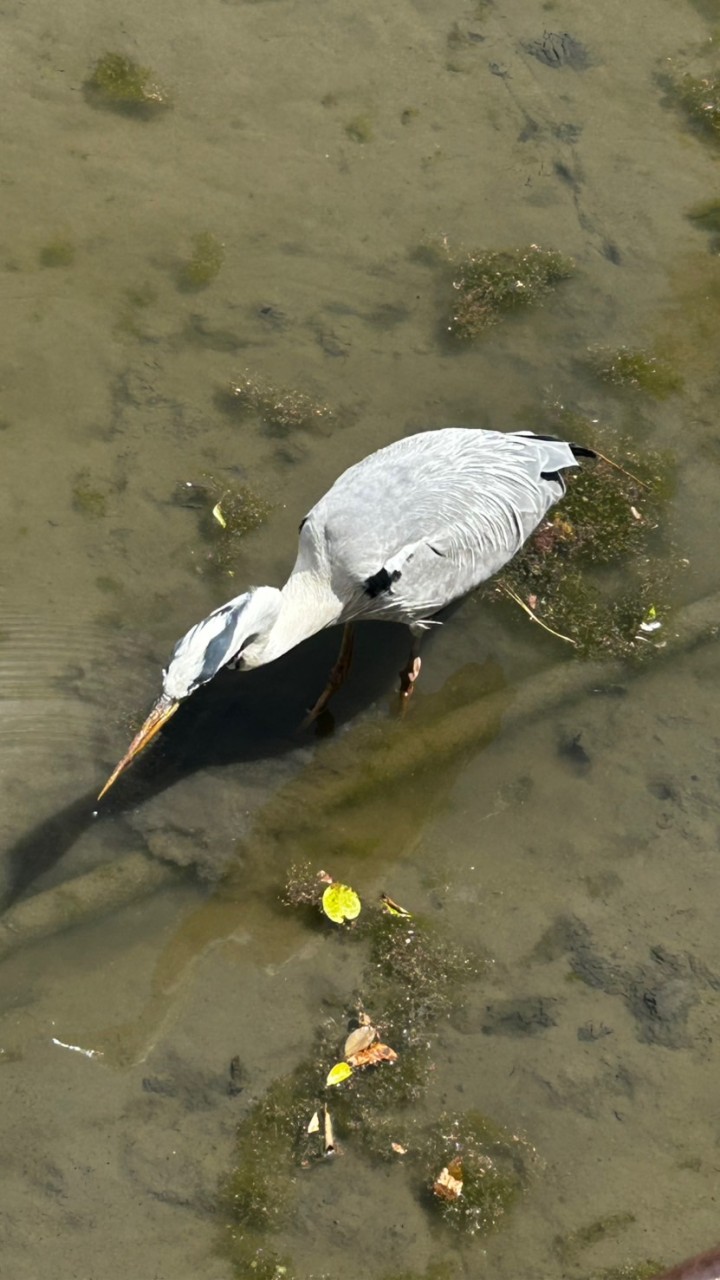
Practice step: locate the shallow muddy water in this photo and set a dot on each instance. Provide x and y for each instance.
(574, 848)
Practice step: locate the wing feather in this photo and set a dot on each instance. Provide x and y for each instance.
(438, 513)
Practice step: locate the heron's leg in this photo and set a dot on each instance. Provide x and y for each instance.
(337, 676)
(410, 672)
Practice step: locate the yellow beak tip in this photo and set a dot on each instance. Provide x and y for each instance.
(160, 714)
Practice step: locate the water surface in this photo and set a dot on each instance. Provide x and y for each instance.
(551, 867)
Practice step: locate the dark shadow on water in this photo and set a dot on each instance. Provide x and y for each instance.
(237, 717)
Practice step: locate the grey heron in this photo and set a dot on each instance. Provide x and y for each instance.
(399, 536)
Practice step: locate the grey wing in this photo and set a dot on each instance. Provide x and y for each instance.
(425, 520)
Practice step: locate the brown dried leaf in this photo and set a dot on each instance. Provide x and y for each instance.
(448, 1184)
(373, 1054)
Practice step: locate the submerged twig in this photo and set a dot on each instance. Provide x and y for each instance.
(616, 466)
(533, 616)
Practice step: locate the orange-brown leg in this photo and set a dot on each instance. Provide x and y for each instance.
(410, 673)
(337, 676)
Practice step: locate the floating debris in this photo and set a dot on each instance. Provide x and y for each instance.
(341, 903)
(449, 1183)
(372, 1055)
(337, 1074)
(329, 1145)
(227, 514)
(394, 908)
(359, 1039)
(218, 515)
(76, 1048)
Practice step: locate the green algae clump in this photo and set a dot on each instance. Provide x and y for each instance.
(413, 967)
(489, 284)
(280, 411)
(706, 215)
(645, 1270)
(591, 572)
(227, 513)
(640, 370)
(203, 265)
(492, 1165)
(699, 98)
(359, 129)
(87, 500)
(121, 84)
(59, 252)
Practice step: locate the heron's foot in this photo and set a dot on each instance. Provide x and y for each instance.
(336, 679)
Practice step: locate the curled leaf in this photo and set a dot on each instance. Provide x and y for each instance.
(359, 1039)
(341, 1071)
(340, 903)
(393, 908)
(329, 1146)
(218, 515)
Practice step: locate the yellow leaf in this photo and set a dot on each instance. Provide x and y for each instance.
(217, 513)
(341, 1071)
(340, 903)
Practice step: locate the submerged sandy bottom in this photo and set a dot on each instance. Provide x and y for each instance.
(589, 877)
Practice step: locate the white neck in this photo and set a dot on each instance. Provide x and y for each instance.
(307, 606)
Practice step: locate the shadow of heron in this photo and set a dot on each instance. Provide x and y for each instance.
(238, 717)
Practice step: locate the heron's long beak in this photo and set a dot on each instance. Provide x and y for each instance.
(162, 711)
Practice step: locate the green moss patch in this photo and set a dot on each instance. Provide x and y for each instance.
(412, 978)
(699, 98)
(59, 252)
(120, 84)
(594, 571)
(489, 284)
(280, 411)
(204, 263)
(227, 513)
(639, 370)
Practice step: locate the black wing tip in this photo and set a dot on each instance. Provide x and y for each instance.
(577, 450)
(380, 581)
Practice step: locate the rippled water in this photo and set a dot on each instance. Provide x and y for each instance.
(323, 147)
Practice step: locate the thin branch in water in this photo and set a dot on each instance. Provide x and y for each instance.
(616, 465)
(533, 616)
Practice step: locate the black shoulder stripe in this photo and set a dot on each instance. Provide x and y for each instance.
(380, 581)
(552, 475)
(579, 451)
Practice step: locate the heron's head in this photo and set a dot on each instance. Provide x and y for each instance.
(220, 640)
